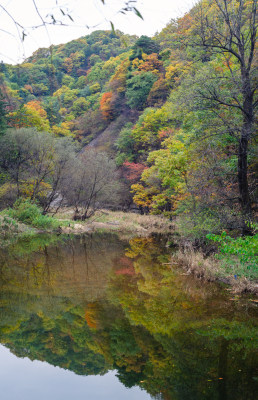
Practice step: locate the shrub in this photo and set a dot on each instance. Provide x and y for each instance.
(30, 213)
(7, 225)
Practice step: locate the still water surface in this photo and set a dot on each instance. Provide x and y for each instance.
(96, 317)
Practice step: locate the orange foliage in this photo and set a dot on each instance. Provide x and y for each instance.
(29, 88)
(164, 133)
(35, 105)
(106, 106)
(151, 64)
(90, 316)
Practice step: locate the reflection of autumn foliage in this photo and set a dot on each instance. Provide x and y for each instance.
(90, 315)
(127, 269)
(160, 329)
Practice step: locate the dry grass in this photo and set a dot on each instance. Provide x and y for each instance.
(150, 223)
(121, 222)
(210, 269)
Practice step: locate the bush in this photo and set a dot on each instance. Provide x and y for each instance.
(197, 225)
(31, 214)
(7, 225)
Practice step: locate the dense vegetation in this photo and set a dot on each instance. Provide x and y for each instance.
(175, 112)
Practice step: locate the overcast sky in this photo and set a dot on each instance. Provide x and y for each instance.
(85, 13)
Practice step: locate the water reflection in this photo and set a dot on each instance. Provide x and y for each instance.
(95, 304)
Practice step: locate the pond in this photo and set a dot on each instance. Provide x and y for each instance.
(98, 317)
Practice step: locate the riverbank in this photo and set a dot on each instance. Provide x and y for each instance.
(128, 225)
(212, 269)
(125, 224)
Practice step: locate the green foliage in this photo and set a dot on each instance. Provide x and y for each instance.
(138, 88)
(125, 145)
(3, 124)
(198, 223)
(30, 213)
(238, 255)
(8, 225)
(144, 45)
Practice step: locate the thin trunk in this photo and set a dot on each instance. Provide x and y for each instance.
(242, 178)
(246, 132)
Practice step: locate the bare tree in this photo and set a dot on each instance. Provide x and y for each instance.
(92, 183)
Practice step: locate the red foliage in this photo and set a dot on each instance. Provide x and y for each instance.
(133, 171)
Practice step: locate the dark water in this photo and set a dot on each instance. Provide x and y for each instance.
(100, 318)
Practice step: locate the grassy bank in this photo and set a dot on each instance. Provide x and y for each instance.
(214, 268)
(125, 224)
(26, 218)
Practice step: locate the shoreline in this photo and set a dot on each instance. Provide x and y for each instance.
(129, 225)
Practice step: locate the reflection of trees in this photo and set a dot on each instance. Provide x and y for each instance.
(160, 330)
(192, 334)
(62, 340)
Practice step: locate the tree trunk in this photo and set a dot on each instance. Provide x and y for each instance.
(245, 200)
(242, 177)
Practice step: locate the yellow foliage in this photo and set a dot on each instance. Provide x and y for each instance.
(27, 188)
(62, 130)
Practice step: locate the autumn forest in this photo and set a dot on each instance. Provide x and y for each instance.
(174, 115)
(128, 212)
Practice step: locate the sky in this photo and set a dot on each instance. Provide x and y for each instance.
(87, 15)
(21, 378)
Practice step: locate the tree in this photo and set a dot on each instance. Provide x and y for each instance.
(138, 88)
(108, 106)
(59, 15)
(3, 124)
(144, 45)
(36, 163)
(91, 183)
(27, 157)
(228, 29)
(28, 116)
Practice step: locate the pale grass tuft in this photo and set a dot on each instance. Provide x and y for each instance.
(209, 268)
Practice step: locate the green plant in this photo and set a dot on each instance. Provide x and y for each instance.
(30, 213)
(238, 254)
(7, 224)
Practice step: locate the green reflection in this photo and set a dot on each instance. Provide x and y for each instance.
(97, 303)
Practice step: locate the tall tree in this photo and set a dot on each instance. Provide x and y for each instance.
(228, 29)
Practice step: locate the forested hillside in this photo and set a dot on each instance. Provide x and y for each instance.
(165, 123)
